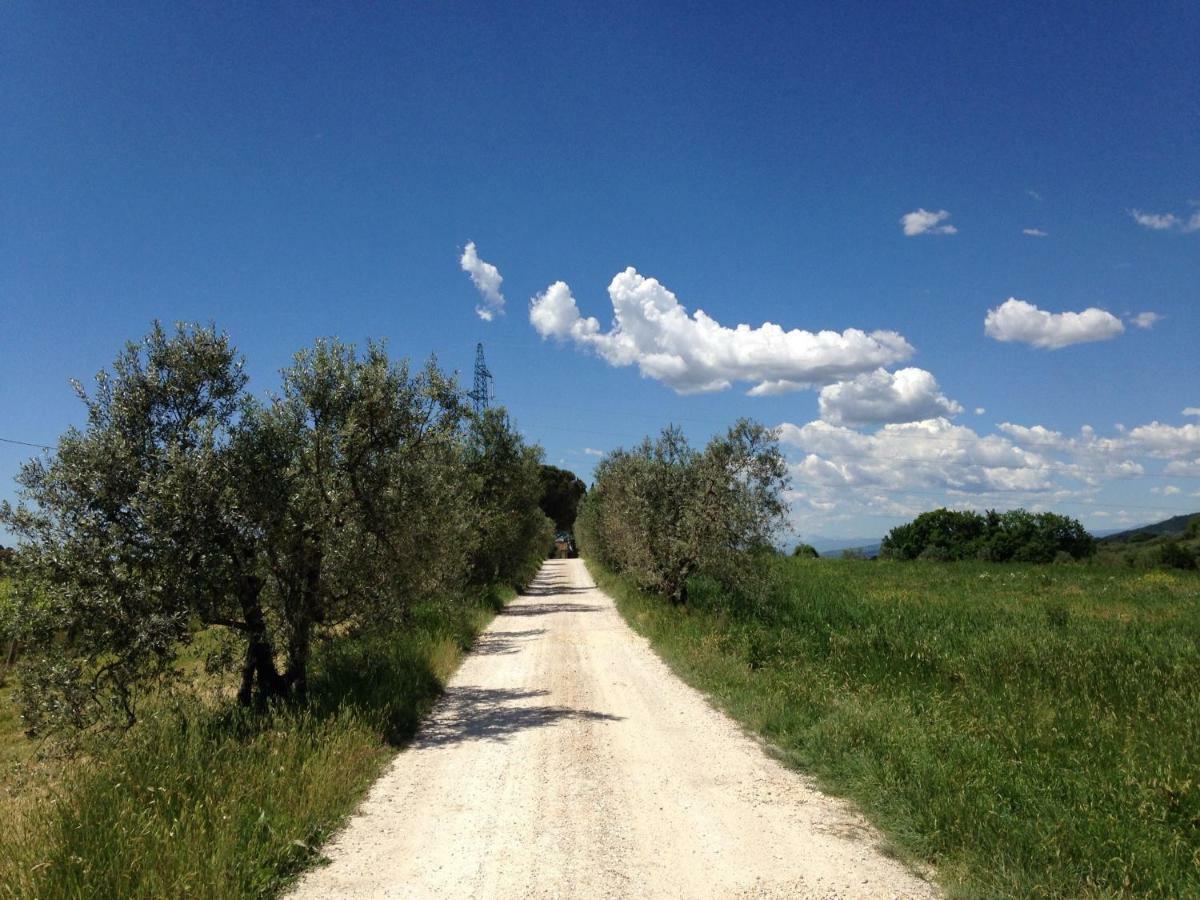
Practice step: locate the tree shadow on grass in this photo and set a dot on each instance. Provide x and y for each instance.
(472, 713)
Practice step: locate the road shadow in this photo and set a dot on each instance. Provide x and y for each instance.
(545, 609)
(549, 590)
(494, 714)
(502, 643)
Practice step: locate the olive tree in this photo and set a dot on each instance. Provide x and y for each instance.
(510, 529)
(360, 495)
(129, 530)
(665, 511)
(183, 503)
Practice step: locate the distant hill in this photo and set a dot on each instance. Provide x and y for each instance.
(1176, 526)
(1172, 527)
(834, 546)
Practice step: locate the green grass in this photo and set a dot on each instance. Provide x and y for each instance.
(203, 801)
(1030, 731)
(14, 748)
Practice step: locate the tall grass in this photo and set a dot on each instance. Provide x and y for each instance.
(1031, 731)
(203, 801)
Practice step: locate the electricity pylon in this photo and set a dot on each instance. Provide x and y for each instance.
(482, 393)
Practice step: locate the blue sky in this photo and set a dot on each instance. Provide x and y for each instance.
(289, 171)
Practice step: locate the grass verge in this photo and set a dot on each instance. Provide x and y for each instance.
(1030, 731)
(203, 801)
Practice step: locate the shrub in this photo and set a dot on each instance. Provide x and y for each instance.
(806, 551)
(1177, 555)
(1016, 535)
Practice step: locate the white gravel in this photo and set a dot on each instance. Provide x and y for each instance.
(567, 761)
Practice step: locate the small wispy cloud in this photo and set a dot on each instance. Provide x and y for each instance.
(1191, 411)
(1167, 221)
(592, 451)
(1034, 232)
(979, 410)
(1145, 319)
(924, 221)
(1167, 490)
(1035, 195)
(487, 280)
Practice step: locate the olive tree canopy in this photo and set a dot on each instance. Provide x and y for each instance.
(665, 510)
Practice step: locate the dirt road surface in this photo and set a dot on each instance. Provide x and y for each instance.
(565, 760)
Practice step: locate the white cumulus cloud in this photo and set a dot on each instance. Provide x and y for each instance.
(908, 395)
(901, 469)
(1034, 232)
(1191, 411)
(933, 454)
(1017, 320)
(691, 354)
(487, 279)
(1166, 221)
(924, 221)
(1165, 441)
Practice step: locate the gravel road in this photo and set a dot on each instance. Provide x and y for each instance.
(565, 760)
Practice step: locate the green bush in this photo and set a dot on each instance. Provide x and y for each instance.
(1013, 536)
(1177, 555)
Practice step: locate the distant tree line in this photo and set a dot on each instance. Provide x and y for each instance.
(1013, 536)
(666, 511)
(1179, 549)
(363, 488)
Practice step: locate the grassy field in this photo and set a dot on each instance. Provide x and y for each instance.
(14, 748)
(1031, 731)
(202, 801)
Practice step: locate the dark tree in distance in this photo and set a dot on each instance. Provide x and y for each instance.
(561, 493)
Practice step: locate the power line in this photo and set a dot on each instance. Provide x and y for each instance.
(4, 440)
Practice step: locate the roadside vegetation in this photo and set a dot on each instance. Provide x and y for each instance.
(666, 511)
(1013, 536)
(1029, 730)
(230, 611)
(1172, 544)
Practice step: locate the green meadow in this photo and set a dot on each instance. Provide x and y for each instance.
(1024, 731)
(201, 799)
